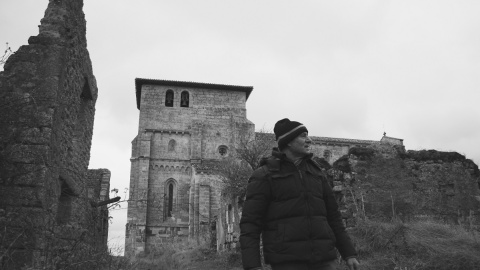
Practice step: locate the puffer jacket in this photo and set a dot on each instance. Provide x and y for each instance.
(295, 210)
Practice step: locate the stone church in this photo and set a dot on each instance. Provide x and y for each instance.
(184, 127)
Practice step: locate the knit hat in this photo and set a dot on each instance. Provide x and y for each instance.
(286, 130)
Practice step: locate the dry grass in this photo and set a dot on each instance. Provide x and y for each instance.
(421, 245)
(187, 254)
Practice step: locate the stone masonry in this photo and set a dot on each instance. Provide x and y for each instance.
(182, 126)
(47, 95)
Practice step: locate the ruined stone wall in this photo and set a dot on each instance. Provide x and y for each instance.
(47, 95)
(385, 182)
(330, 153)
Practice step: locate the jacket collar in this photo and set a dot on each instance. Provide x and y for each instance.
(280, 155)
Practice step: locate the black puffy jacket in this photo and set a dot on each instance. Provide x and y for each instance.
(295, 209)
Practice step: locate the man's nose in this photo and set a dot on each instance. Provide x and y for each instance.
(308, 140)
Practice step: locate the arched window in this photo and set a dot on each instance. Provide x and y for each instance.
(169, 196)
(171, 145)
(170, 200)
(223, 150)
(184, 99)
(327, 155)
(169, 98)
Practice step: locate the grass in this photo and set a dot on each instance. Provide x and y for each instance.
(187, 254)
(420, 245)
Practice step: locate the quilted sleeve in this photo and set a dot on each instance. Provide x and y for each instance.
(253, 213)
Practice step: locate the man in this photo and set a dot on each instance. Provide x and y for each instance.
(290, 202)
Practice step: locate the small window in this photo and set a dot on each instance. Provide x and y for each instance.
(169, 196)
(169, 98)
(170, 200)
(184, 99)
(171, 145)
(223, 150)
(327, 155)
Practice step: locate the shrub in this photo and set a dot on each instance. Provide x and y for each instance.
(342, 164)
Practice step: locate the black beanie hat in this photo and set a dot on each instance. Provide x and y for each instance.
(286, 130)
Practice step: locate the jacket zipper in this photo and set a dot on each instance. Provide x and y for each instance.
(309, 214)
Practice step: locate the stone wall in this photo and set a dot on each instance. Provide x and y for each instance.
(389, 183)
(98, 189)
(47, 95)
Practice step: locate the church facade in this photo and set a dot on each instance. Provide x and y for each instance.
(184, 127)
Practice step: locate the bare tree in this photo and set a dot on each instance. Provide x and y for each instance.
(237, 170)
(235, 174)
(253, 148)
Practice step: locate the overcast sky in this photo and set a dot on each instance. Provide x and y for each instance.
(349, 69)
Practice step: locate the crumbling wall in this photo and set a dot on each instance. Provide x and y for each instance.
(47, 103)
(384, 181)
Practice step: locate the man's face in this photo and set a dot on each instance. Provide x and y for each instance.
(300, 146)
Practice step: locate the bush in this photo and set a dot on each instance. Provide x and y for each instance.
(342, 164)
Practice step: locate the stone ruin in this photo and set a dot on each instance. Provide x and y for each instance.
(50, 215)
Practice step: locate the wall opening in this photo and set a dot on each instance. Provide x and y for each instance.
(171, 145)
(223, 150)
(169, 98)
(170, 200)
(327, 155)
(184, 99)
(170, 194)
(64, 209)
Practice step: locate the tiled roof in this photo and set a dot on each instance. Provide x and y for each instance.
(141, 81)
